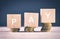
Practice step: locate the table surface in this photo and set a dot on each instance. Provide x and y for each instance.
(54, 34)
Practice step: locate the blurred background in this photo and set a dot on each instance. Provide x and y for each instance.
(21, 6)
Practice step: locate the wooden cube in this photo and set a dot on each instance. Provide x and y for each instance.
(14, 21)
(47, 15)
(31, 19)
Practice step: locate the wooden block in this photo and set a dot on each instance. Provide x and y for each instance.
(13, 20)
(47, 15)
(31, 19)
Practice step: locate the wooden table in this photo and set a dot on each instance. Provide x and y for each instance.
(54, 34)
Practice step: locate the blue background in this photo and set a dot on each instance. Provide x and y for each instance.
(21, 6)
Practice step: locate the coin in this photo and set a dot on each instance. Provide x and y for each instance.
(46, 27)
(29, 29)
(14, 29)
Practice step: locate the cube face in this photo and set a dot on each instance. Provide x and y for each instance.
(47, 15)
(30, 19)
(13, 20)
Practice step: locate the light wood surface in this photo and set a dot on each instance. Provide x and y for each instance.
(54, 34)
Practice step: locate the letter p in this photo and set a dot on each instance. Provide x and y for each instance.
(13, 20)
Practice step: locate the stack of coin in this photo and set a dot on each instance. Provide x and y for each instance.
(46, 27)
(29, 29)
(14, 29)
